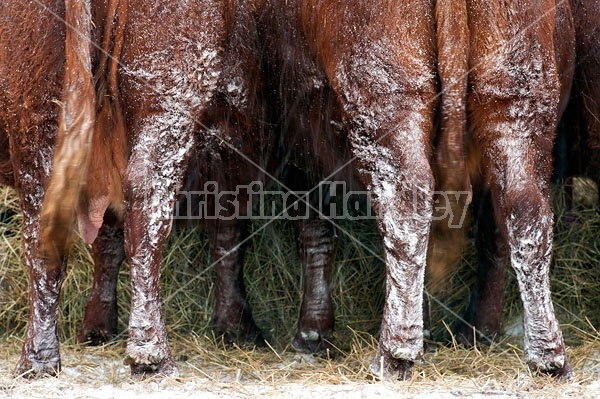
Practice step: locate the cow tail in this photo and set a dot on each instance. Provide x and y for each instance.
(453, 188)
(75, 134)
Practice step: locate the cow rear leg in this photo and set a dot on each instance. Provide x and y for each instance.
(388, 106)
(484, 313)
(234, 320)
(154, 173)
(391, 149)
(316, 245)
(100, 320)
(40, 355)
(147, 353)
(515, 107)
(527, 222)
(519, 184)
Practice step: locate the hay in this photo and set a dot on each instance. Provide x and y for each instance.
(274, 282)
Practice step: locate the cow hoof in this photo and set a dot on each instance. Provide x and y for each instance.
(167, 368)
(26, 368)
(563, 374)
(385, 367)
(469, 337)
(94, 337)
(556, 366)
(312, 344)
(243, 339)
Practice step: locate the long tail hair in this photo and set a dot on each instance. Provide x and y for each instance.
(453, 188)
(91, 116)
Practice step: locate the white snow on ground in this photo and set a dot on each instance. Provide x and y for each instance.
(95, 377)
(62, 388)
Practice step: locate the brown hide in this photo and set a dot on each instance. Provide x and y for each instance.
(521, 66)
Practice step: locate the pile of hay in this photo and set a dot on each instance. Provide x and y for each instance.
(274, 282)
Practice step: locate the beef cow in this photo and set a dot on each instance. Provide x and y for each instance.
(32, 64)
(235, 112)
(31, 82)
(485, 309)
(522, 63)
(350, 58)
(173, 60)
(31, 72)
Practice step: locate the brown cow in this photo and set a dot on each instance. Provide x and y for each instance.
(30, 83)
(315, 235)
(22, 113)
(358, 80)
(170, 84)
(485, 310)
(514, 97)
(521, 57)
(31, 70)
